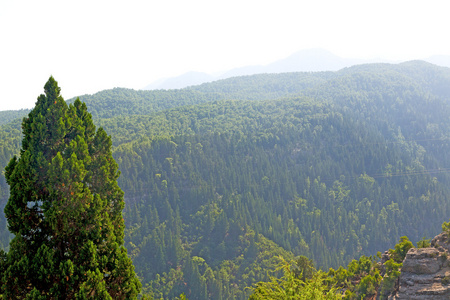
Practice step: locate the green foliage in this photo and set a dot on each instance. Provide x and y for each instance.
(65, 209)
(126, 102)
(361, 278)
(424, 243)
(289, 286)
(368, 285)
(182, 297)
(391, 276)
(304, 268)
(224, 281)
(398, 254)
(12, 115)
(446, 227)
(393, 266)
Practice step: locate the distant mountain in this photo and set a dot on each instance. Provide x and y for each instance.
(182, 81)
(310, 60)
(8, 116)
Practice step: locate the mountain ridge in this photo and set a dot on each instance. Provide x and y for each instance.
(307, 60)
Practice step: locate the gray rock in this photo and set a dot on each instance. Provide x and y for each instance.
(425, 273)
(422, 261)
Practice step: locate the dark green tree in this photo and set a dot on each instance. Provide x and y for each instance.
(65, 209)
(304, 268)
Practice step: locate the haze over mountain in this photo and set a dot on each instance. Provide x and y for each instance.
(308, 60)
(182, 81)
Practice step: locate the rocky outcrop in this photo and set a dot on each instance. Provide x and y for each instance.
(425, 273)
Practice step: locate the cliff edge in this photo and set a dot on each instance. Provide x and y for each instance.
(425, 273)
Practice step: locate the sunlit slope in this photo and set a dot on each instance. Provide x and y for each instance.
(329, 165)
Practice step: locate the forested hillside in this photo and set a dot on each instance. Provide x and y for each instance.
(221, 178)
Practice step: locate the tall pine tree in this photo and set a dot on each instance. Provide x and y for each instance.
(65, 209)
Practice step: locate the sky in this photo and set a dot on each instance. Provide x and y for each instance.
(89, 46)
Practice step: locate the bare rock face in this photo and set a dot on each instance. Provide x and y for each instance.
(441, 242)
(423, 261)
(425, 273)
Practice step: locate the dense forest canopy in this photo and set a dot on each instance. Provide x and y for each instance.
(222, 178)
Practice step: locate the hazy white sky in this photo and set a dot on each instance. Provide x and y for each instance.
(92, 45)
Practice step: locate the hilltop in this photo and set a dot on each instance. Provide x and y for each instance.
(221, 177)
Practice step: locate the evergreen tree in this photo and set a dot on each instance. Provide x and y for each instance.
(65, 209)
